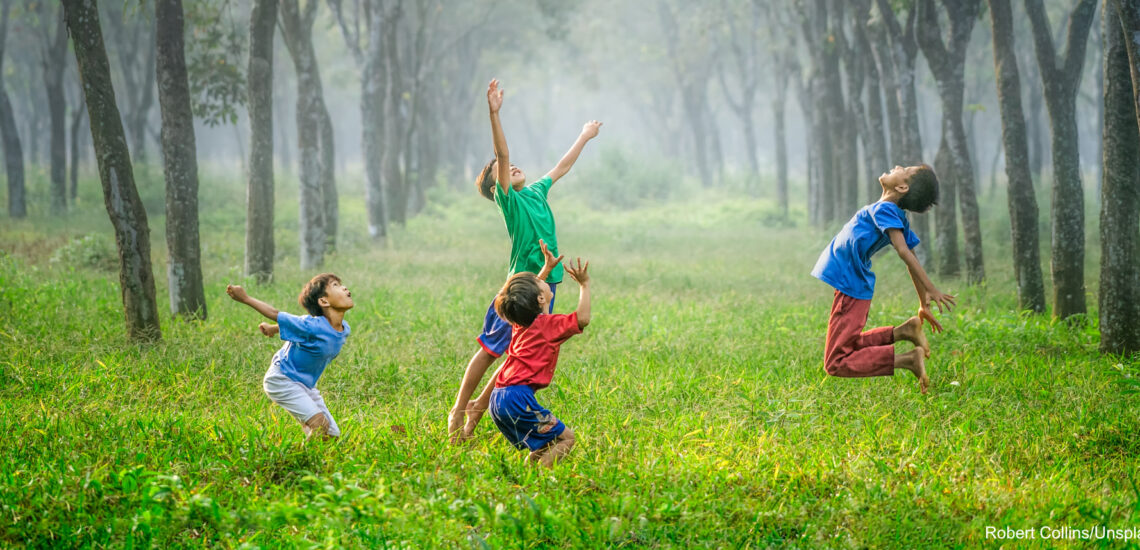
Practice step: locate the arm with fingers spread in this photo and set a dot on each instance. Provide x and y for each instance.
(502, 156)
(925, 288)
(578, 273)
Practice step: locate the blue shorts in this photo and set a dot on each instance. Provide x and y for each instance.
(525, 423)
(496, 335)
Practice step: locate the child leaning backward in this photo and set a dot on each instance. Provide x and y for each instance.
(311, 343)
(846, 265)
(533, 355)
(529, 219)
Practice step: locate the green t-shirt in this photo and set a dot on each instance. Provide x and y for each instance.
(529, 219)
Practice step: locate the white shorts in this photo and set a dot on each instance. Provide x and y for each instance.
(301, 401)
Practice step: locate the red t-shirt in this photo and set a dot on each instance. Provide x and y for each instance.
(533, 352)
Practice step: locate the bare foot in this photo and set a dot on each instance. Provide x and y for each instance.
(911, 331)
(474, 413)
(454, 425)
(915, 362)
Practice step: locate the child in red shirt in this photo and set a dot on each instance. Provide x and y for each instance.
(531, 358)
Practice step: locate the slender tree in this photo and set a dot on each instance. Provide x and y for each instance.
(947, 62)
(53, 59)
(906, 137)
(1022, 199)
(13, 151)
(132, 234)
(691, 71)
(259, 191)
(1129, 14)
(180, 164)
(132, 36)
(1120, 190)
(873, 128)
(297, 30)
(1061, 76)
(78, 115)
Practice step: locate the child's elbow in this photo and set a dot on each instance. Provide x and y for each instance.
(583, 322)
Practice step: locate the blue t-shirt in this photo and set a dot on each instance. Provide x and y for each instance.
(846, 263)
(311, 343)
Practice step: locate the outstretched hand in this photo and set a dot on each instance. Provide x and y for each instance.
(494, 95)
(578, 273)
(237, 293)
(926, 315)
(269, 329)
(551, 261)
(940, 299)
(590, 129)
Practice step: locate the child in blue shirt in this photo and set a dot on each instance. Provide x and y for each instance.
(311, 343)
(846, 265)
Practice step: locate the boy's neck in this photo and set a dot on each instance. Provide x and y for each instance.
(890, 195)
(335, 318)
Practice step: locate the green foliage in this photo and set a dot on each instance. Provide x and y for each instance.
(703, 415)
(618, 181)
(215, 48)
(96, 252)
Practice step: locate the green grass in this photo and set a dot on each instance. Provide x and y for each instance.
(697, 393)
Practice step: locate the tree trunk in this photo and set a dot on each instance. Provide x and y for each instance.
(329, 195)
(1061, 78)
(1120, 190)
(53, 62)
(1129, 13)
(778, 107)
(140, 115)
(372, 113)
(13, 152)
(297, 31)
(397, 196)
(180, 164)
(132, 235)
(874, 135)
(1022, 198)
(259, 249)
(78, 114)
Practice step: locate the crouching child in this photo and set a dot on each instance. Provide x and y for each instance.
(311, 343)
(531, 358)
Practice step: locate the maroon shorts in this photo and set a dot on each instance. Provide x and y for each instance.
(851, 353)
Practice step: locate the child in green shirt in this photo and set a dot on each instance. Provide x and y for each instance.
(529, 220)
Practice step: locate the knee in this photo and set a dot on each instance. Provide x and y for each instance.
(566, 438)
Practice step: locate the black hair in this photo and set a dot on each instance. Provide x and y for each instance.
(517, 302)
(923, 191)
(314, 290)
(485, 183)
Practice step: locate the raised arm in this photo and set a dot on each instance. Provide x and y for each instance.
(551, 261)
(502, 156)
(578, 273)
(926, 290)
(238, 294)
(589, 131)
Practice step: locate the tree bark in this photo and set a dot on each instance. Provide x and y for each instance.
(1120, 189)
(1061, 78)
(948, 66)
(1022, 199)
(297, 30)
(132, 235)
(1129, 13)
(53, 60)
(874, 134)
(180, 164)
(13, 151)
(77, 116)
(259, 246)
(907, 148)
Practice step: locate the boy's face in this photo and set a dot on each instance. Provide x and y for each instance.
(897, 179)
(337, 296)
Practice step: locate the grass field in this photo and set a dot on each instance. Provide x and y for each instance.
(703, 415)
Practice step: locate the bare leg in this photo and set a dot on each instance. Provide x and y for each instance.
(476, 408)
(915, 362)
(911, 331)
(318, 425)
(476, 368)
(555, 451)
